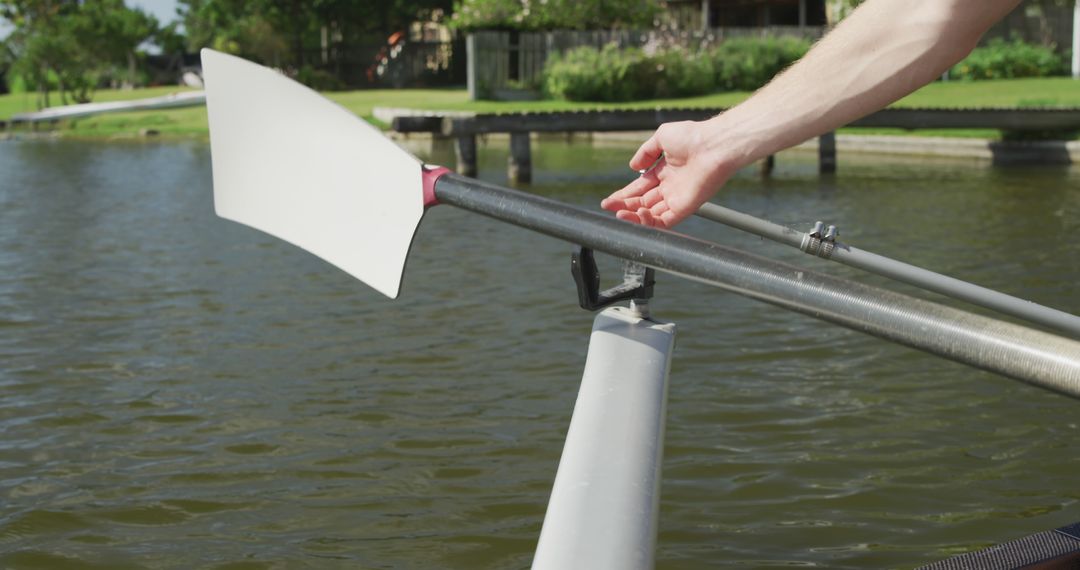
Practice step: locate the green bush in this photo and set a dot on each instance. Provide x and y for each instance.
(746, 64)
(608, 74)
(319, 79)
(614, 74)
(1000, 59)
(683, 74)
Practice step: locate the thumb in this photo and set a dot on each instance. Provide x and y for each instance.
(648, 154)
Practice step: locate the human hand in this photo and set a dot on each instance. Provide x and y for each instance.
(680, 174)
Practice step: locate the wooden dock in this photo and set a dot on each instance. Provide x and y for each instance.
(466, 128)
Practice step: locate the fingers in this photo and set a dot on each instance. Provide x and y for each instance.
(661, 216)
(630, 196)
(646, 217)
(648, 154)
(642, 201)
(668, 219)
(647, 200)
(652, 198)
(677, 206)
(641, 216)
(658, 216)
(639, 186)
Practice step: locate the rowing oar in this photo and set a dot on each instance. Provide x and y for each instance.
(821, 242)
(293, 164)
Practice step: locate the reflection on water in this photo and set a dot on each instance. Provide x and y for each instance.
(180, 391)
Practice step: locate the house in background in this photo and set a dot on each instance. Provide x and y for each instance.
(1050, 23)
(698, 14)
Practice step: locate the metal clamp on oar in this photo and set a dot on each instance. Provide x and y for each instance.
(637, 285)
(821, 242)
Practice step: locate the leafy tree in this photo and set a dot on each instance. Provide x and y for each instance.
(113, 32)
(290, 34)
(70, 45)
(170, 39)
(30, 46)
(273, 32)
(554, 14)
(389, 16)
(283, 32)
(211, 23)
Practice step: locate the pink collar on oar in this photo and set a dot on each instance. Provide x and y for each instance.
(431, 176)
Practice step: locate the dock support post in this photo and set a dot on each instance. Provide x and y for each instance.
(519, 165)
(471, 68)
(465, 149)
(827, 153)
(767, 165)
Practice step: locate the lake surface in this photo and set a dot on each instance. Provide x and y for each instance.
(179, 391)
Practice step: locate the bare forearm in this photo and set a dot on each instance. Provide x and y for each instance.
(885, 50)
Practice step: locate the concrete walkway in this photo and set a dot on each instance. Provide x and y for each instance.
(184, 99)
(999, 152)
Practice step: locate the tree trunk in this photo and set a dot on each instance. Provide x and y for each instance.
(43, 87)
(60, 87)
(131, 69)
(298, 33)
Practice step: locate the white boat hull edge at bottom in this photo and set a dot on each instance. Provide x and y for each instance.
(603, 512)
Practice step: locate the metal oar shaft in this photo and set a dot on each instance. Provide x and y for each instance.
(900, 271)
(1036, 357)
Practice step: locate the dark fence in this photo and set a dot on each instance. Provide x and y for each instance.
(1044, 23)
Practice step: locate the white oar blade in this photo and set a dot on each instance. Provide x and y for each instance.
(300, 167)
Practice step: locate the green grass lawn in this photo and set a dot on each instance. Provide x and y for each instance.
(191, 122)
(1042, 92)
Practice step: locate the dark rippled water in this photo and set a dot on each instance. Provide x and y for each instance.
(179, 391)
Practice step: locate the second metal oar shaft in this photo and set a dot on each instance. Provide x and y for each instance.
(1036, 357)
(898, 270)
